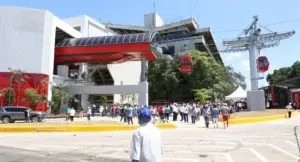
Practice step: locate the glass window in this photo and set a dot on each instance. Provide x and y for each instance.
(120, 39)
(127, 39)
(78, 41)
(133, 38)
(146, 37)
(140, 38)
(96, 40)
(1, 110)
(101, 40)
(108, 39)
(9, 109)
(82, 43)
(114, 39)
(20, 109)
(90, 41)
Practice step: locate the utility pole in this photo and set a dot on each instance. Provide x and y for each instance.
(254, 41)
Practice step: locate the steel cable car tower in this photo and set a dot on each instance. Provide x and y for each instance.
(254, 41)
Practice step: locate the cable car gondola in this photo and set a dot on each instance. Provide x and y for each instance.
(262, 64)
(186, 63)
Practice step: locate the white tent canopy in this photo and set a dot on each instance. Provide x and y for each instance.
(239, 93)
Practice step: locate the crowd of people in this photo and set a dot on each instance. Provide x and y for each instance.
(183, 112)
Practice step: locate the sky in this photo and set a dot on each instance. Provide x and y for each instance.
(226, 18)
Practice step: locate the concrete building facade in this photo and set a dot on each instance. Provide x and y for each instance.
(29, 37)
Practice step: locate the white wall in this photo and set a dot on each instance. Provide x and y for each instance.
(159, 21)
(22, 39)
(127, 72)
(153, 20)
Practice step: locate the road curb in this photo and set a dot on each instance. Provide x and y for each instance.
(260, 119)
(76, 128)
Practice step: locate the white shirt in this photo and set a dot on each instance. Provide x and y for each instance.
(72, 112)
(89, 111)
(101, 109)
(175, 108)
(146, 144)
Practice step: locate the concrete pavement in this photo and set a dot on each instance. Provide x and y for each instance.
(261, 142)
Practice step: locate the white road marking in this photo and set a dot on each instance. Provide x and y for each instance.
(203, 146)
(169, 159)
(227, 155)
(283, 151)
(261, 158)
(291, 143)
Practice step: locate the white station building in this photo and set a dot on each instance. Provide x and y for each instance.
(29, 38)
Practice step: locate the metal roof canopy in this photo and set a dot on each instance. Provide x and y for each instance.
(107, 49)
(108, 40)
(291, 83)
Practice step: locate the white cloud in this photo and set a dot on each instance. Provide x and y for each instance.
(229, 57)
(236, 54)
(245, 63)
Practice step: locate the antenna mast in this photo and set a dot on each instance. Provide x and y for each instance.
(154, 6)
(253, 42)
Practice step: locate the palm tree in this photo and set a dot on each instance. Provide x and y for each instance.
(17, 77)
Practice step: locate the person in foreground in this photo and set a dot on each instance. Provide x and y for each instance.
(146, 143)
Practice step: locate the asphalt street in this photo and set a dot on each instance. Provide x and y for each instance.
(261, 142)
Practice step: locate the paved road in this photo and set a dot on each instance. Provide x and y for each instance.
(272, 141)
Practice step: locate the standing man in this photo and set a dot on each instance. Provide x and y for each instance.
(72, 114)
(215, 115)
(289, 107)
(26, 114)
(89, 113)
(175, 111)
(146, 145)
(68, 111)
(206, 115)
(130, 115)
(225, 114)
(101, 110)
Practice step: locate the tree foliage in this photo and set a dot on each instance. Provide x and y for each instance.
(202, 95)
(103, 100)
(284, 74)
(9, 96)
(18, 78)
(58, 95)
(167, 82)
(33, 98)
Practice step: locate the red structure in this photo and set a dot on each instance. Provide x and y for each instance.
(105, 50)
(34, 81)
(296, 98)
(262, 64)
(186, 63)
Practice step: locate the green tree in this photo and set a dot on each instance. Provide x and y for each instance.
(33, 98)
(167, 82)
(202, 95)
(284, 73)
(236, 77)
(123, 98)
(103, 100)
(18, 78)
(10, 96)
(58, 95)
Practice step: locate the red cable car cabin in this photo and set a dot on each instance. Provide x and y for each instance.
(262, 64)
(186, 64)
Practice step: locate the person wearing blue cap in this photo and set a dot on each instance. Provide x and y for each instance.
(146, 145)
